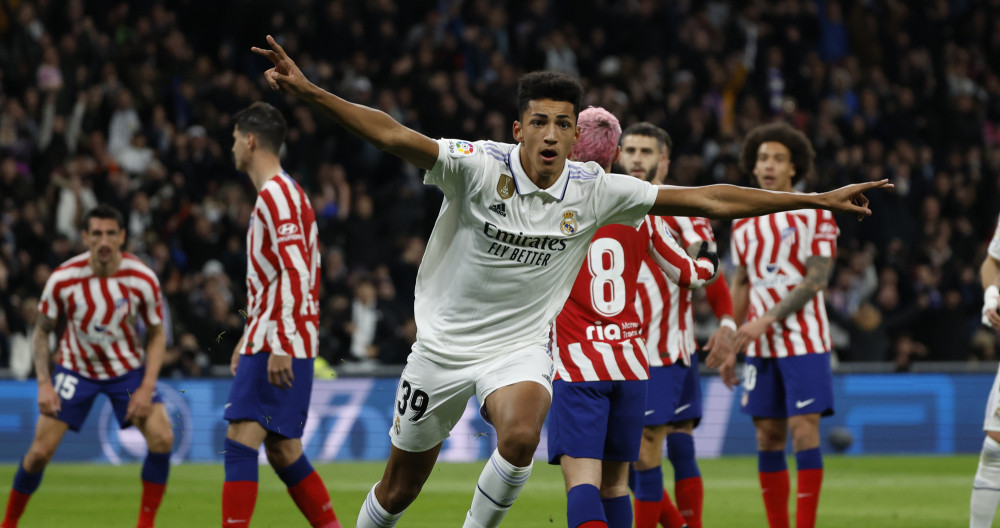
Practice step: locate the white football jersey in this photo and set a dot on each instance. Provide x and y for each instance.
(503, 254)
(994, 248)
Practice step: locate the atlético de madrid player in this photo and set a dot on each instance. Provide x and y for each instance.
(599, 394)
(101, 294)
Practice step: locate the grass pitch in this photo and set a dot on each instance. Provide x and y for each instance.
(876, 492)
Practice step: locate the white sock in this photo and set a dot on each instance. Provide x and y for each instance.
(986, 486)
(498, 486)
(373, 515)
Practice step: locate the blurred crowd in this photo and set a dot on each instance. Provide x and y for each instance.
(130, 103)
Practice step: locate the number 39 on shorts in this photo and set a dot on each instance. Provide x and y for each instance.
(415, 399)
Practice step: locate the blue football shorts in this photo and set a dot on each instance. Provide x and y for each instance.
(596, 419)
(789, 386)
(278, 410)
(78, 393)
(674, 394)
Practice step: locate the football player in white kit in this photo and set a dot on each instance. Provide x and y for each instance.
(513, 230)
(986, 486)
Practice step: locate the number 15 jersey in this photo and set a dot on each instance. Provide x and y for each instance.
(598, 334)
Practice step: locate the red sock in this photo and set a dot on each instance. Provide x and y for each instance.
(810, 482)
(670, 516)
(593, 524)
(690, 494)
(152, 495)
(645, 513)
(775, 489)
(238, 499)
(313, 500)
(16, 503)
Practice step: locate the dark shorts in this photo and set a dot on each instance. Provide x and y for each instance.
(596, 419)
(790, 386)
(281, 411)
(78, 393)
(674, 394)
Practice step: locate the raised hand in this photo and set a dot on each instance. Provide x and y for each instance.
(851, 198)
(285, 75)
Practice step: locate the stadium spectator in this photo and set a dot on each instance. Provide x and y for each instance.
(698, 70)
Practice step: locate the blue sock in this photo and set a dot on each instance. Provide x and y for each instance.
(680, 451)
(771, 461)
(25, 482)
(809, 459)
(297, 471)
(241, 462)
(649, 484)
(618, 510)
(156, 467)
(583, 504)
(631, 477)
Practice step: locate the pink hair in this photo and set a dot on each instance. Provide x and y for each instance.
(599, 134)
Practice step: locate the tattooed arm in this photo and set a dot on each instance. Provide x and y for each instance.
(817, 274)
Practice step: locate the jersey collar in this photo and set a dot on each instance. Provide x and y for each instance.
(524, 184)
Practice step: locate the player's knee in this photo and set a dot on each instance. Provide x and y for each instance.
(398, 496)
(279, 455)
(517, 444)
(160, 440)
(770, 439)
(37, 457)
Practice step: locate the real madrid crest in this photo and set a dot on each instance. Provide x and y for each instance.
(568, 223)
(505, 187)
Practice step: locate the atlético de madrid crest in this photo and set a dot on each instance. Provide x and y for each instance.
(505, 187)
(568, 223)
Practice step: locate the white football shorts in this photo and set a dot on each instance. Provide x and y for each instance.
(431, 396)
(992, 421)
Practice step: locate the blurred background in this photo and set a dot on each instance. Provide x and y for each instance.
(130, 103)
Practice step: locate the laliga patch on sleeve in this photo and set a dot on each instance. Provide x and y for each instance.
(457, 149)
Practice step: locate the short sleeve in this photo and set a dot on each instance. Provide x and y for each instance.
(153, 302)
(994, 247)
(623, 199)
(459, 167)
(824, 240)
(48, 305)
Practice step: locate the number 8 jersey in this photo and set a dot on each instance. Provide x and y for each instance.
(598, 335)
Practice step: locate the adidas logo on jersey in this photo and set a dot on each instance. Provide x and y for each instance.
(500, 209)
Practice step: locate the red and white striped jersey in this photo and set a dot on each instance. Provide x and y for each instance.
(282, 272)
(663, 306)
(100, 340)
(597, 335)
(774, 249)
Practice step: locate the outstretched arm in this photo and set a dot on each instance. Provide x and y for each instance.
(729, 201)
(374, 126)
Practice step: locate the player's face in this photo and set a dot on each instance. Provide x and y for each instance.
(774, 169)
(241, 150)
(547, 132)
(104, 239)
(641, 157)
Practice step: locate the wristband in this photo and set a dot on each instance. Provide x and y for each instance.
(991, 300)
(728, 323)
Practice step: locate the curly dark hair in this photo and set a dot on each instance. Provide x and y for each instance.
(795, 141)
(548, 85)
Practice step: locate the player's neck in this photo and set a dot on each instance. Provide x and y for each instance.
(105, 269)
(263, 169)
